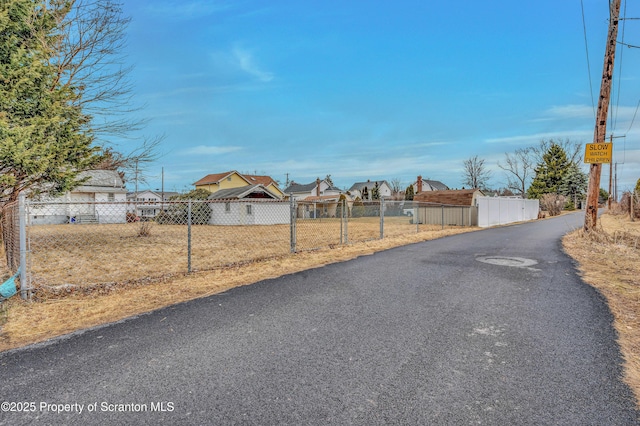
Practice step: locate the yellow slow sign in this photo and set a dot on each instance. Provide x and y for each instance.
(598, 152)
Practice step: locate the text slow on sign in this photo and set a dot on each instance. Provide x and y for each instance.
(598, 153)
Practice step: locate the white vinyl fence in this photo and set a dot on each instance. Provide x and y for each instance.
(503, 210)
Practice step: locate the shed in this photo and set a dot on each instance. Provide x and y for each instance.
(248, 205)
(452, 197)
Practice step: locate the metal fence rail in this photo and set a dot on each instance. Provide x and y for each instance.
(95, 243)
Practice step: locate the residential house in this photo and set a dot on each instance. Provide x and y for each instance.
(148, 204)
(366, 188)
(248, 205)
(421, 185)
(100, 199)
(233, 179)
(316, 199)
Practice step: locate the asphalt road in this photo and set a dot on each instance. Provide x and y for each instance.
(427, 334)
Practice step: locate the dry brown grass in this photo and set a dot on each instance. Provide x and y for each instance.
(97, 254)
(609, 260)
(30, 322)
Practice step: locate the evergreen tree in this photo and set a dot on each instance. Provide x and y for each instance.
(365, 193)
(603, 196)
(63, 88)
(45, 139)
(375, 192)
(409, 193)
(550, 172)
(574, 184)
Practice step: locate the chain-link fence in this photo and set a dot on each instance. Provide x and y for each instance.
(10, 226)
(97, 243)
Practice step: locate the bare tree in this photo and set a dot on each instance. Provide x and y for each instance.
(88, 56)
(518, 167)
(476, 174)
(396, 189)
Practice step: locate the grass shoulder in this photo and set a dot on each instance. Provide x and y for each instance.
(608, 258)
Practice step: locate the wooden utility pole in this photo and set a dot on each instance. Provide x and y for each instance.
(591, 214)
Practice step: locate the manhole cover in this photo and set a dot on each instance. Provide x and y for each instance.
(518, 262)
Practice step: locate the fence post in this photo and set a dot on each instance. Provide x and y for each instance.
(381, 218)
(189, 237)
(22, 213)
(292, 225)
(442, 220)
(341, 203)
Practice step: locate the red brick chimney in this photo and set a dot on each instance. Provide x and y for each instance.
(318, 187)
(419, 185)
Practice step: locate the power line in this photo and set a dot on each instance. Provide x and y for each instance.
(614, 111)
(634, 117)
(586, 46)
(631, 46)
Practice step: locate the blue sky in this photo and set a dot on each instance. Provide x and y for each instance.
(373, 89)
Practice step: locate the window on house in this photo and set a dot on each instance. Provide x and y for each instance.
(111, 196)
(227, 207)
(249, 209)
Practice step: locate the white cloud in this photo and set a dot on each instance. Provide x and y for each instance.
(211, 150)
(571, 111)
(537, 137)
(246, 62)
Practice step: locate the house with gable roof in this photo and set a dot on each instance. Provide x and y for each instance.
(101, 198)
(233, 179)
(366, 188)
(147, 203)
(421, 185)
(316, 199)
